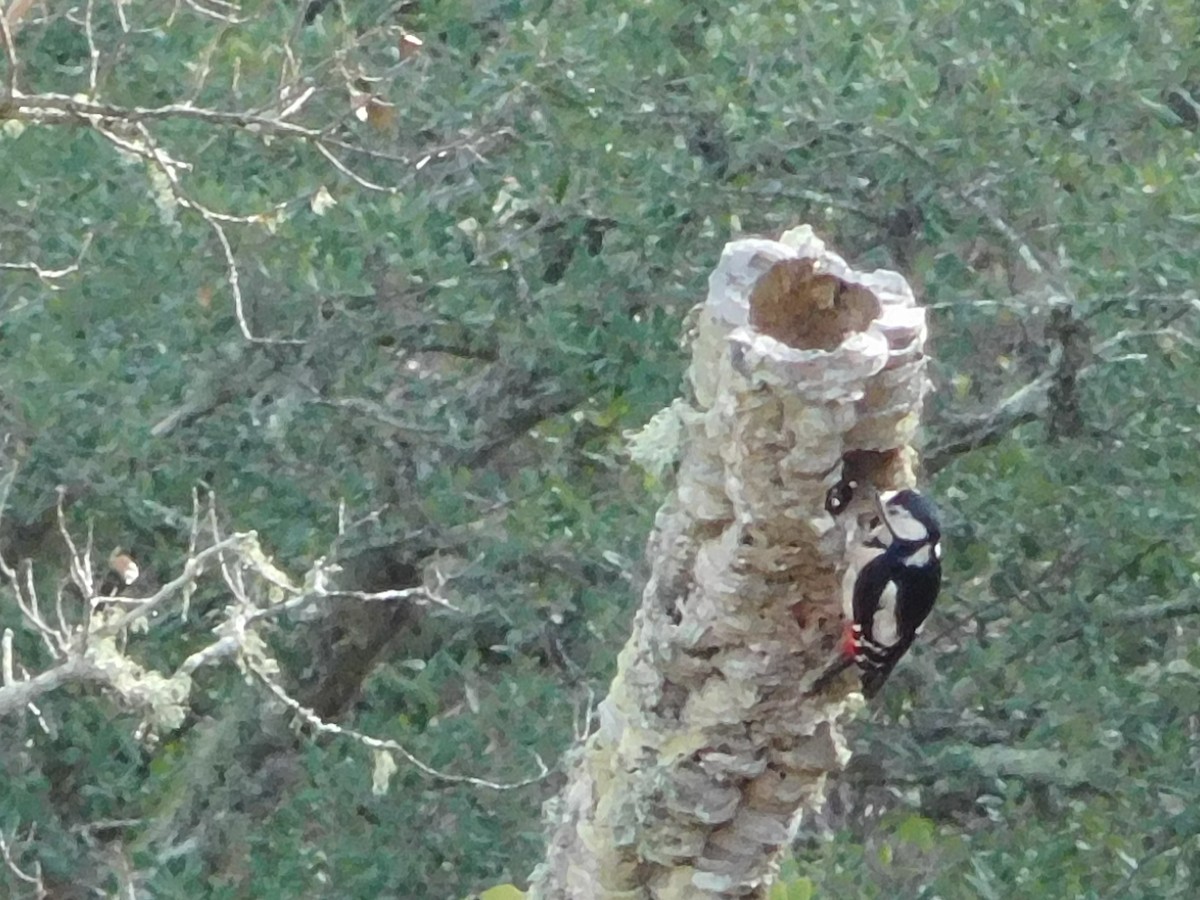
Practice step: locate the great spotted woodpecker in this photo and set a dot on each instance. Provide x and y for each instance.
(894, 588)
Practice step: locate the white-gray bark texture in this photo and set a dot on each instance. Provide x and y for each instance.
(710, 745)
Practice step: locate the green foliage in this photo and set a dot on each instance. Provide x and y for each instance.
(561, 178)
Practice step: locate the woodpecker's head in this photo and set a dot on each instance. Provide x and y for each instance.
(910, 518)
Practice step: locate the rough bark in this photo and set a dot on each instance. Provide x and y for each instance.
(710, 745)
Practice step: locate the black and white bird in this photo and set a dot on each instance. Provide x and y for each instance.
(896, 579)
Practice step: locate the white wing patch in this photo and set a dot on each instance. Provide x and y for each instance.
(859, 535)
(884, 630)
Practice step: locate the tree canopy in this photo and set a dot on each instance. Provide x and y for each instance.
(387, 283)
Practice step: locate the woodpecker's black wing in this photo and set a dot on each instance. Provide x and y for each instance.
(874, 602)
(892, 598)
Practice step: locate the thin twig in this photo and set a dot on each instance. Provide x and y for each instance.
(119, 8)
(234, 280)
(6, 483)
(60, 107)
(54, 108)
(16, 12)
(6, 658)
(93, 53)
(49, 275)
(377, 412)
(10, 49)
(170, 170)
(191, 570)
(34, 879)
(21, 693)
(27, 602)
(349, 173)
(319, 724)
(204, 66)
(193, 542)
(294, 107)
(80, 565)
(1138, 615)
(421, 596)
(227, 18)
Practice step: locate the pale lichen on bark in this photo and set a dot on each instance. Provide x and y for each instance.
(709, 746)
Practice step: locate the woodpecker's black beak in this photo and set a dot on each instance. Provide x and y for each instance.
(881, 500)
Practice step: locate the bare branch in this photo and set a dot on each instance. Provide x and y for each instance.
(223, 13)
(377, 412)
(80, 564)
(6, 483)
(93, 52)
(170, 168)
(60, 109)
(10, 48)
(374, 743)
(234, 280)
(19, 694)
(193, 541)
(203, 67)
(294, 107)
(6, 658)
(95, 652)
(119, 8)
(192, 569)
(1023, 248)
(421, 596)
(232, 632)
(353, 176)
(27, 602)
(1026, 404)
(51, 108)
(16, 12)
(35, 876)
(1140, 615)
(1031, 402)
(50, 275)
(1032, 259)
(63, 628)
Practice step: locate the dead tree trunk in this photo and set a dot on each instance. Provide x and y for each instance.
(709, 746)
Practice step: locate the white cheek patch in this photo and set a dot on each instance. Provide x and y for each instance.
(903, 525)
(937, 551)
(884, 631)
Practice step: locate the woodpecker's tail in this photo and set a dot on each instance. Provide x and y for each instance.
(873, 679)
(848, 650)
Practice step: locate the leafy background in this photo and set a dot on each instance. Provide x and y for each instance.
(558, 179)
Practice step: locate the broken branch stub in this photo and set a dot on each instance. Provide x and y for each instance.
(709, 747)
